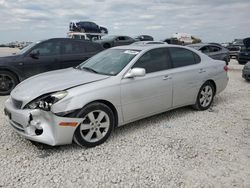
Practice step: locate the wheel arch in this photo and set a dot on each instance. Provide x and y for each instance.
(213, 83)
(11, 71)
(107, 103)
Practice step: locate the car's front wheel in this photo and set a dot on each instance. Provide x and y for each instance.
(205, 96)
(8, 81)
(97, 125)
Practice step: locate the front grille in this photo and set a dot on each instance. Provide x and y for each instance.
(18, 104)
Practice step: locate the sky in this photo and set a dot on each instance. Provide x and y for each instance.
(210, 20)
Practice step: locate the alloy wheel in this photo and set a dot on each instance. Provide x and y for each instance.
(95, 126)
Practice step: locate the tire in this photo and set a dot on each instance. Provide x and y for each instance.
(205, 96)
(98, 121)
(106, 45)
(8, 82)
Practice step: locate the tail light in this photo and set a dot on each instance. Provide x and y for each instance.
(226, 68)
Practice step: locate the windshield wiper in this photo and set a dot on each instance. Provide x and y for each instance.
(89, 69)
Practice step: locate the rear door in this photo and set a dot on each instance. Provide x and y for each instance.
(47, 58)
(187, 75)
(122, 40)
(152, 93)
(73, 53)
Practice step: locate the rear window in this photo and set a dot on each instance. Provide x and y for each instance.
(183, 57)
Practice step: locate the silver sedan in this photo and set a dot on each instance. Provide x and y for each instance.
(115, 87)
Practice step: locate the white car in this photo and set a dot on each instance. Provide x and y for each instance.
(115, 87)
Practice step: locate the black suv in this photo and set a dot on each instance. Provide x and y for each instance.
(244, 53)
(42, 56)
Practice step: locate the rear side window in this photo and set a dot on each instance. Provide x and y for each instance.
(73, 47)
(154, 60)
(182, 57)
(214, 49)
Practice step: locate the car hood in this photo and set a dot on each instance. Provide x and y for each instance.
(53, 81)
(246, 42)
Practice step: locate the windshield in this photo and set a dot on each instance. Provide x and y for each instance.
(109, 62)
(27, 48)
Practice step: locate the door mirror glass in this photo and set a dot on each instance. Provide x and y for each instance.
(135, 72)
(34, 54)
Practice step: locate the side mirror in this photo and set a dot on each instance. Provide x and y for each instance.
(34, 54)
(135, 72)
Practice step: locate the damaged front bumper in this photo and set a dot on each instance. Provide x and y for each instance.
(41, 126)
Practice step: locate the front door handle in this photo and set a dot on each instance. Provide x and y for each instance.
(167, 77)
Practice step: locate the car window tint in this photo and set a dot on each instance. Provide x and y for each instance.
(154, 60)
(196, 58)
(121, 38)
(214, 49)
(182, 57)
(204, 49)
(48, 48)
(73, 47)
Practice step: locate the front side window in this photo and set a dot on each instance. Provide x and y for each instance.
(49, 48)
(109, 62)
(154, 60)
(182, 57)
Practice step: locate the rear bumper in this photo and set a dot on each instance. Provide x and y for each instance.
(40, 126)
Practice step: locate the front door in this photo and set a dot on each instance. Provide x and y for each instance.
(45, 57)
(144, 96)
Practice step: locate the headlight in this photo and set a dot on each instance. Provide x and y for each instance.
(46, 101)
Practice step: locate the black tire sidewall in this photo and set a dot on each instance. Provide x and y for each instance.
(13, 77)
(82, 113)
(198, 104)
(106, 45)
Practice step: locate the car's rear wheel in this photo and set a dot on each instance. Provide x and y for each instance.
(205, 96)
(8, 82)
(106, 45)
(97, 125)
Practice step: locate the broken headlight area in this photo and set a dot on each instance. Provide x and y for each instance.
(45, 102)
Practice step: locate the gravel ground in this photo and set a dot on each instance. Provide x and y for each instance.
(180, 148)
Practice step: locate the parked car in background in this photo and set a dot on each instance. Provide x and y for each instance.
(244, 53)
(246, 71)
(114, 40)
(42, 56)
(173, 41)
(234, 50)
(115, 87)
(212, 50)
(87, 27)
(144, 38)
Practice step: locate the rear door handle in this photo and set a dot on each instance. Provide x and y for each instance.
(167, 77)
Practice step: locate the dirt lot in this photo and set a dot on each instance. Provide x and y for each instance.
(180, 148)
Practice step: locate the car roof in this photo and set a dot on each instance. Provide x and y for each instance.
(148, 46)
(204, 44)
